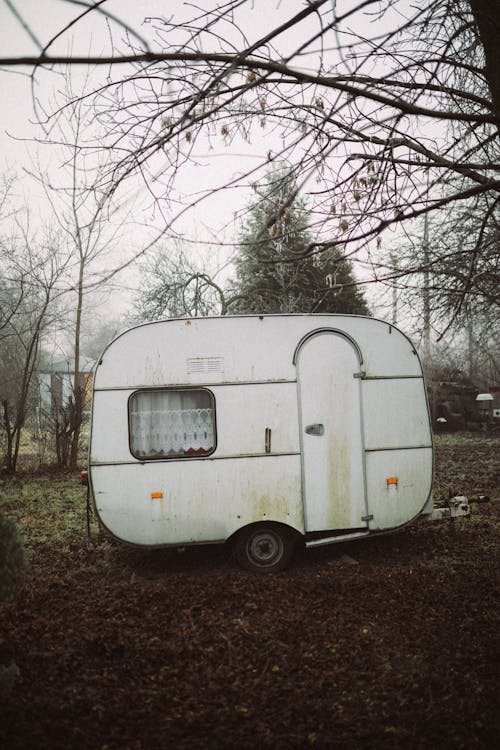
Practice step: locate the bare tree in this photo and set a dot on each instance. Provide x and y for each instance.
(36, 265)
(97, 334)
(174, 285)
(455, 277)
(11, 295)
(82, 214)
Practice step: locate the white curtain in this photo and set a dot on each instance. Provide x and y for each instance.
(171, 423)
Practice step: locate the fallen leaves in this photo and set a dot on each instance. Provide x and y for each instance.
(121, 648)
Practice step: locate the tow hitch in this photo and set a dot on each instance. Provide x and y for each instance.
(455, 507)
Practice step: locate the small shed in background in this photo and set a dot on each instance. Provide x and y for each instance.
(56, 383)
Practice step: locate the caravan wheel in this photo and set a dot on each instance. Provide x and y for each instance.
(265, 548)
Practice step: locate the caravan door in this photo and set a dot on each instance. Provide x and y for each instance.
(333, 473)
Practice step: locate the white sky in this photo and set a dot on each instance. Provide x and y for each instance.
(45, 18)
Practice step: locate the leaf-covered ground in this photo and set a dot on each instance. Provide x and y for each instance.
(386, 643)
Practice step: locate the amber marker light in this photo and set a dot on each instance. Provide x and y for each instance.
(392, 480)
(156, 495)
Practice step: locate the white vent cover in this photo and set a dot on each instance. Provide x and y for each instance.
(205, 364)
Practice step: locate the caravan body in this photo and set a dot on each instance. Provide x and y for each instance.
(261, 429)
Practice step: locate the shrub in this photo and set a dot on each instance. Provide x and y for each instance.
(12, 559)
(12, 564)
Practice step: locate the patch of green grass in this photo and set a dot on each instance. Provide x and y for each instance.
(47, 509)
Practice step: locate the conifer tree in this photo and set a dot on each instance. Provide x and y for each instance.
(275, 270)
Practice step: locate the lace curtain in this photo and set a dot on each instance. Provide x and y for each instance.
(171, 423)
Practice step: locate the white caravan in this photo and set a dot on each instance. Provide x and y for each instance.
(261, 430)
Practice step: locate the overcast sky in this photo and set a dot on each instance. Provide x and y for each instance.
(215, 218)
(45, 18)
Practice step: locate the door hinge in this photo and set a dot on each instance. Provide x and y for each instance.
(361, 374)
(367, 518)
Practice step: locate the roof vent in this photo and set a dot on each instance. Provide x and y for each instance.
(205, 364)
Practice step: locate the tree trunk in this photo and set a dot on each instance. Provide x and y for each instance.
(78, 386)
(487, 17)
(10, 438)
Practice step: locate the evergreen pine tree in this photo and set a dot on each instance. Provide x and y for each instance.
(274, 271)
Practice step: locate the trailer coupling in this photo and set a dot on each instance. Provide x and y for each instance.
(455, 507)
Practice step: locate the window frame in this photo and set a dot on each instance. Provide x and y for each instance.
(178, 457)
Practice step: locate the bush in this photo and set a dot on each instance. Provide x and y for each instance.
(12, 564)
(12, 559)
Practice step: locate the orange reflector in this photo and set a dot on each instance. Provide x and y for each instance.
(392, 480)
(156, 495)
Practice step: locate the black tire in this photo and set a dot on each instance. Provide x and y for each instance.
(265, 548)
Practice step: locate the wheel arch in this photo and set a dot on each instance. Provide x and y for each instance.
(243, 530)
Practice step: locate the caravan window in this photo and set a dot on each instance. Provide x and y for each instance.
(172, 423)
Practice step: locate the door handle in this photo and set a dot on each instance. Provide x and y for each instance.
(315, 429)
